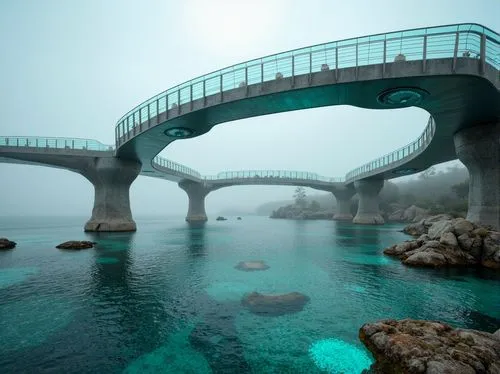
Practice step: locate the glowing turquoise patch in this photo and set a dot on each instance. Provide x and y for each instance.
(11, 276)
(338, 357)
(107, 260)
(175, 356)
(30, 322)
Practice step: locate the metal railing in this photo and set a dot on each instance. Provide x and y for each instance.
(269, 175)
(54, 143)
(162, 163)
(452, 41)
(397, 156)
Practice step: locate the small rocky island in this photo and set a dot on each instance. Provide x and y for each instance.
(6, 244)
(446, 241)
(76, 245)
(301, 209)
(416, 346)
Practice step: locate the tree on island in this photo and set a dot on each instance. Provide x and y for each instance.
(314, 206)
(300, 197)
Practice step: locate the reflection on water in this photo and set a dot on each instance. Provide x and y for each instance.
(168, 298)
(195, 239)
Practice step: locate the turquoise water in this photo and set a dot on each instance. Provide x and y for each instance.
(168, 298)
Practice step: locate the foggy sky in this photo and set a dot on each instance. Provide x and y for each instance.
(73, 68)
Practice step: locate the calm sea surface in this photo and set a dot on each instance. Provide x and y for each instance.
(167, 299)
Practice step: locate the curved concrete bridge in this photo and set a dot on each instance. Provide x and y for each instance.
(450, 71)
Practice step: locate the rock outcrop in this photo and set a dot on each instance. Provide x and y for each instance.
(410, 214)
(415, 346)
(76, 244)
(6, 244)
(252, 265)
(275, 305)
(445, 241)
(421, 227)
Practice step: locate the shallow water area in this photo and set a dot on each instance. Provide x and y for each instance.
(168, 297)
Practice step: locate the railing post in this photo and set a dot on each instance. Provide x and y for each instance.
(356, 73)
(204, 93)
(166, 106)
(73, 144)
(133, 123)
(56, 143)
(336, 63)
(424, 57)
(191, 96)
(149, 115)
(178, 101)
(220, 88)
(455, 53)
(293, 71)
(246, 81)
(310, 67)
(482, 54)
(261, 72)
(385, 57)
(157, 111)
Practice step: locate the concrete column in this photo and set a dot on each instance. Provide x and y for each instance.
(368, 206)
(111, 178)
(479, 149)
(196, 193)
(343, 197)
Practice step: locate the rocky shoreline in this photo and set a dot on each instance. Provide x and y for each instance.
(446, 241)
(416, 346)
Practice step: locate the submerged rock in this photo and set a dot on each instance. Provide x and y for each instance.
(76, 244)
(416, 346)
(275, 305)
(252, 265)
(449, 242)
(6, 244)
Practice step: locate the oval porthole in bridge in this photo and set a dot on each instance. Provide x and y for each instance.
(405, 171)
(178, 132)
(402, 96)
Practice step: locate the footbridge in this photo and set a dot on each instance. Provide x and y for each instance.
(450, 71)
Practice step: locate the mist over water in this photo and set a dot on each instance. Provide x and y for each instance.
(168, 298)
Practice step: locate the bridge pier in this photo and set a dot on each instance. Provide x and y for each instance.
(111, 178)
(368, 205)
(343, 210)
(479, 150)
(196, 193)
